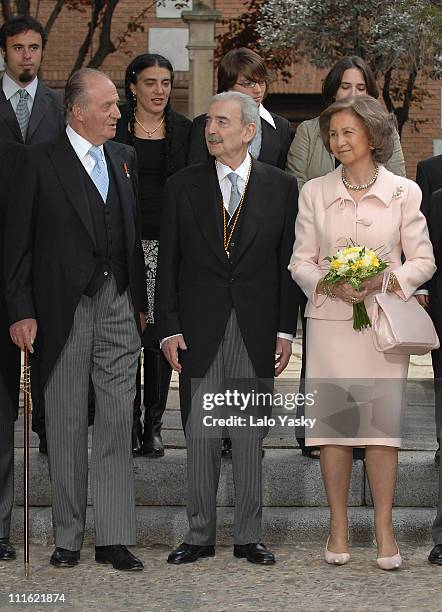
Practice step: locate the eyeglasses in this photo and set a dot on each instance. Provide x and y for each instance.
(251, 84)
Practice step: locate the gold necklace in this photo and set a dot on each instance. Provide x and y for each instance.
(227, 239)
(150, 132)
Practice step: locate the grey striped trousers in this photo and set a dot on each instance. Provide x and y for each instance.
(103, 343)
(204, 452)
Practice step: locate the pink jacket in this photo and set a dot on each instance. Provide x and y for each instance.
(387, 216)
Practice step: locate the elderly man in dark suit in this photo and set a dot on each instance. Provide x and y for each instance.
(225, 305)
(74, 267)
(30, 113)
(429, 179)
(9, 360)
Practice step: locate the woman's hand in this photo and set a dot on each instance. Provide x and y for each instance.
(347, 293)
(374, 283)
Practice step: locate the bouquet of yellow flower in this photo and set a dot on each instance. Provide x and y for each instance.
(354, 265)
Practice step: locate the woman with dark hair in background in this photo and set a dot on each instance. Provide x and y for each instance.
(308, 158)
(161, 139)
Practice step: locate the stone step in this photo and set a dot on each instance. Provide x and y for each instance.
(168, 525)
(288, 480)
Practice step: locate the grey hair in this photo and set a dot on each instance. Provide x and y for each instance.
(76, 91)
(379, 125)
(249, 108)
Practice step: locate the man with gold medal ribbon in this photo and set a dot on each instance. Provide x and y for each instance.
(225, 305)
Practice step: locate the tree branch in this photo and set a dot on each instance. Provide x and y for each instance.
(53, 16)
(92, 26)
(6, 9)
(105, 45)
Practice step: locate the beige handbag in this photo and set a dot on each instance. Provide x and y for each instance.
(402, 327)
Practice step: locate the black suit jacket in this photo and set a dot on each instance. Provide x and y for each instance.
(45, 123)
(9, 353)
(429, 179)
(274, 147)
(50, 246)
(179, 142)
(197, 285)
(434, 286)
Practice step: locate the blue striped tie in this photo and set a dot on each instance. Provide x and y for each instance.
(99, 172)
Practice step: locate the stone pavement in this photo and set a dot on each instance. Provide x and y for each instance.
(300, 580)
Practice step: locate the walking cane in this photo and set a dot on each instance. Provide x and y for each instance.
(27, 410)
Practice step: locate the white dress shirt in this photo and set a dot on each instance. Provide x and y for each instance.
(11, 89)
(264, 114)
(226, 186)
(81, 147)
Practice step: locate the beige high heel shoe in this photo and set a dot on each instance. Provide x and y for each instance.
(390, 563)
(335, 558)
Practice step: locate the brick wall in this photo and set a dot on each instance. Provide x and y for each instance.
(71, 26)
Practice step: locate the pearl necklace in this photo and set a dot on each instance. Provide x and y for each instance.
(150, 132)
(359, 187)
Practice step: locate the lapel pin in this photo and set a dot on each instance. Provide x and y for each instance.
(126, 170)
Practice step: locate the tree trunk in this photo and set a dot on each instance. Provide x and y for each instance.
(105, 45)
(23, 7)
(6, 9)
(92, 26)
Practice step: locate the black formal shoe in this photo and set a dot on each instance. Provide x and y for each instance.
(61, 557)
(435, 555)
(255, 553)
(7, 551)
(188, 553)
(119, 556)
(43, 445)
(437, 455)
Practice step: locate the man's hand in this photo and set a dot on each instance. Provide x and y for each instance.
(283, 351)
(423, 300)
(23, 333)
(170, 349)
(143, 322)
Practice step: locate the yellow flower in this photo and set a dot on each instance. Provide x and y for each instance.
(335, 264)
(374, 261)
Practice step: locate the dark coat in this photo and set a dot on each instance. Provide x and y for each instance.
(429, 179)
(197, 285)
(274, 147)
(179, 142)
(9, 353)
(50, 246)
(45, 123)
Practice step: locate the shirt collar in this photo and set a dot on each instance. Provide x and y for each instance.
(80, 145)
(384, 189)
(242, 171)
(10, 87)
(264, 114)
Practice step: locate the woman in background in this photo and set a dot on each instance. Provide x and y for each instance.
(161, 139)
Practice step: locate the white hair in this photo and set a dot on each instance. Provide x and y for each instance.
(249, 108)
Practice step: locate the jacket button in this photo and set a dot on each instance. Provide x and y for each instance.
(231, 280)
(106, 273)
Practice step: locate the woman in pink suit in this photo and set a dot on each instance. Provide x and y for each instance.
(362, 202)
